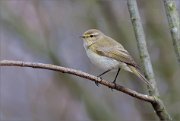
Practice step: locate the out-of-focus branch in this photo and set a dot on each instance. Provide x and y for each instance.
(141, 43)
(80, 74)
(145, 58)
(174, 25)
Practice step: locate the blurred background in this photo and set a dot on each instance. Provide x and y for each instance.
(48, 31)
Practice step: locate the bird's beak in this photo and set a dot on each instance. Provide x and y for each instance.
(82, 36)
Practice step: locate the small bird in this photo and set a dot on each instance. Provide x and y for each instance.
(108, 54)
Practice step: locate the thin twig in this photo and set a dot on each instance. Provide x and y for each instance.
(145, 58)
(80, 74)
(174, 25)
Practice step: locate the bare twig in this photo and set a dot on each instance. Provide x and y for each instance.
(145, 58)
(141, 43)
(174, 25)
(80, 74)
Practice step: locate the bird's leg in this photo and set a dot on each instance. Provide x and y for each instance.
(116, 75)
(101, 75)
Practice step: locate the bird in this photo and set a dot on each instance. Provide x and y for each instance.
(107, 54)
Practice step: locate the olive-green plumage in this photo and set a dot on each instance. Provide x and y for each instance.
(108, 54)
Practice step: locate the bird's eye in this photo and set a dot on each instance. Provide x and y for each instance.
(91, 36)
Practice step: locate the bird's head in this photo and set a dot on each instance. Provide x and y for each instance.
(92, 35)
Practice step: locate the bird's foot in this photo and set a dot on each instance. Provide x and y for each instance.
(114, 82)
(97, 83)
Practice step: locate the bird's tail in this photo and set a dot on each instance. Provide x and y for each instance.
(137, 73)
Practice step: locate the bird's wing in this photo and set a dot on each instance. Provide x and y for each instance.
(117, 53)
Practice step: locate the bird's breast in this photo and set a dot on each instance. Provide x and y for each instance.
(102, 62)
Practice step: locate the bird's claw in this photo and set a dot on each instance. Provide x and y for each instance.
(96, 82)
(114, 85)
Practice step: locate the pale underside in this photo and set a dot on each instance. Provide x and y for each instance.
(105, 63)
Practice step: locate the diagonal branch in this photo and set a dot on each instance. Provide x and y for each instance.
(80, 74)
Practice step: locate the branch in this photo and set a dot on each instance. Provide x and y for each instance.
(174, 25)
(141, 43)
(145, 58)
(80, 74)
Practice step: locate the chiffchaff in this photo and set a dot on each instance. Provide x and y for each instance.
(108, 54)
